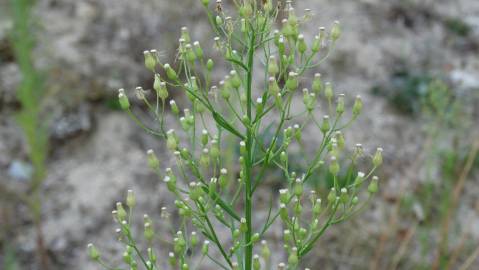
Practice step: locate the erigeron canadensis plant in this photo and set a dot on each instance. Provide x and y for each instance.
(209, 196)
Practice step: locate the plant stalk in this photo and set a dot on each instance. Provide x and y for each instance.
(248, 249)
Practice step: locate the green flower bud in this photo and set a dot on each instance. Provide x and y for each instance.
(298, 187)
(334, 166)
(160, 87)
(171, 140)
(194, 239)
(283, 212)
(205, 2)
(309, 100)
(359, 179)
(255, 238)
(185, 154)
(185, 267)
(358, 150)
(236, 234)
(303, 233)
(283, 157)
(344, 197)
(127, 258)
(335, 31)
(219, 20)
(281, 45)
(212, 186)
(340, 104)
(246, 10)
(358, 106)
(314, 225)
(225, 91)
(340, 140)
(214, 149)
(170, 183)
(130, 199)
(140, 93)
(265, 251)
(287, 237)
(153, 161)
(292, 81)
(123, 100)
(149, 232)
(242, 148)
(174, 107)
(286, 61)
(219, 213)
(298, 208)
(292, 19)
(273, 68)
(328, 92)
(184, 123)
(259, 106)
(172, 259)
(235, 79)
(189, 53)
(210, 64)
(273, 87)
(302, 47)
(243, 227)
(284, 196)
(355, 200)
(316, 45)
(198, 50)
(204, 137)
(317, 207)
(170, 73)
(373, 185)
(223, 179)
(205, 158)
(317, 83)
(325, 126)
(293, 258)
(185, 35)
(278, 101)
(120, 212)
(93, 253)
(150, 60)
(378, 157)
(256, 262)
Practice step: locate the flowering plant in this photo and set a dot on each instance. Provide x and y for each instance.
(211, 196)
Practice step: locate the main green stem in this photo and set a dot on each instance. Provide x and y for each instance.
(248, 249)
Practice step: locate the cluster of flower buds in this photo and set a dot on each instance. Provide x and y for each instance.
(199, 181)
(304, 216)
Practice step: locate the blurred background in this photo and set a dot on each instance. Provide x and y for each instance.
(67, 153)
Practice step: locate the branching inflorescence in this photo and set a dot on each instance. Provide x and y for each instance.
(212, 195)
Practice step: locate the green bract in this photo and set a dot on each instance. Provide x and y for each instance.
(256, 126)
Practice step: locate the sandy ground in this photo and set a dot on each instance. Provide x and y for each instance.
(91, 48)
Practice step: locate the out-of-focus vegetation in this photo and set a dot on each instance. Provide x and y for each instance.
(30, 118)
(448, 158)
